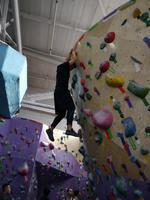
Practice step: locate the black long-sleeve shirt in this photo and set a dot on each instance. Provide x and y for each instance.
(62, 76)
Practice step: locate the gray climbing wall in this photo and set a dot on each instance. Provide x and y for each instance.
(111, 91)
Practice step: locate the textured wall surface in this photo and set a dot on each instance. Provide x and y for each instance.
(111, 90)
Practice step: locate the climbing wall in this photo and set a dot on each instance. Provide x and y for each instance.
(111, 90)
(30, 163)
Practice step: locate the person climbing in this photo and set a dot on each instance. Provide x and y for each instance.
(64, 105)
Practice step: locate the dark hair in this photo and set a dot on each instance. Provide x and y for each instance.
(4, 186)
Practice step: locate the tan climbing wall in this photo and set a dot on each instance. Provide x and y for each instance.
(129, 41)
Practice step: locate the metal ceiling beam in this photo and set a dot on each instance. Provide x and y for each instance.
(54, 25)
(17, 24)
(3, 18)
(50, 22)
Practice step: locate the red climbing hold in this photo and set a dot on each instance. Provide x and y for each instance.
(104, 66)
(82, 81)
(110, 37)
(82, 65)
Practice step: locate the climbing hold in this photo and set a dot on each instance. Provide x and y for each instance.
(88, 77)
(90, 63)
(98, 75)
(82, 65)
(24, 170)
(136, 60)
(96, 91)
(126, 98)
(88, 96)
(89, 45)
(117, 107)
(110, 37)
(104, 66)
(103, 45)
(138, 90)
(124, 22)
(82, 150)
(147, 129)
(130, 127)
(85, 89)
(82, 81)
(114, 81)
(135, 161)
(103, 118)
(147, 23)
(147, 41)
(113, 57)
(124, 166)
(144, 151)
(144, 17)
(136, 13)
(98, 138)
(82, 96)
(51, 146)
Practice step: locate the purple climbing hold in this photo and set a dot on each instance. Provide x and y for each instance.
(147, 41)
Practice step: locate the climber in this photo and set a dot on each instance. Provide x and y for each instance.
(64, 105)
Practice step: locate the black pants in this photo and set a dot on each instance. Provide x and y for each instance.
(64, 105)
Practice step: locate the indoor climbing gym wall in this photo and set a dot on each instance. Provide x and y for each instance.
(111, 90)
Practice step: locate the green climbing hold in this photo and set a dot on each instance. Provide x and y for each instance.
(147, 23)
(103, 45)
(89, 45)
(144, 151)
(88, 77)
(88, 96)
(113, 57)
(90, 63)
(98, 75)
(144, 17)
(98, 138)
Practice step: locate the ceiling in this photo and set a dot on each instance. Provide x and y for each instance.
(51, 27)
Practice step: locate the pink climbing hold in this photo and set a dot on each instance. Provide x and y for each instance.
(110, 37)
(103, 118)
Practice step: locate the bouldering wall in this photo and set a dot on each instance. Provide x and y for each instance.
(111, 90)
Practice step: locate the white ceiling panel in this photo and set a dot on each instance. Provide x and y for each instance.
(73, 17)
(34, 34)
(36, 7)
(64, 40)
